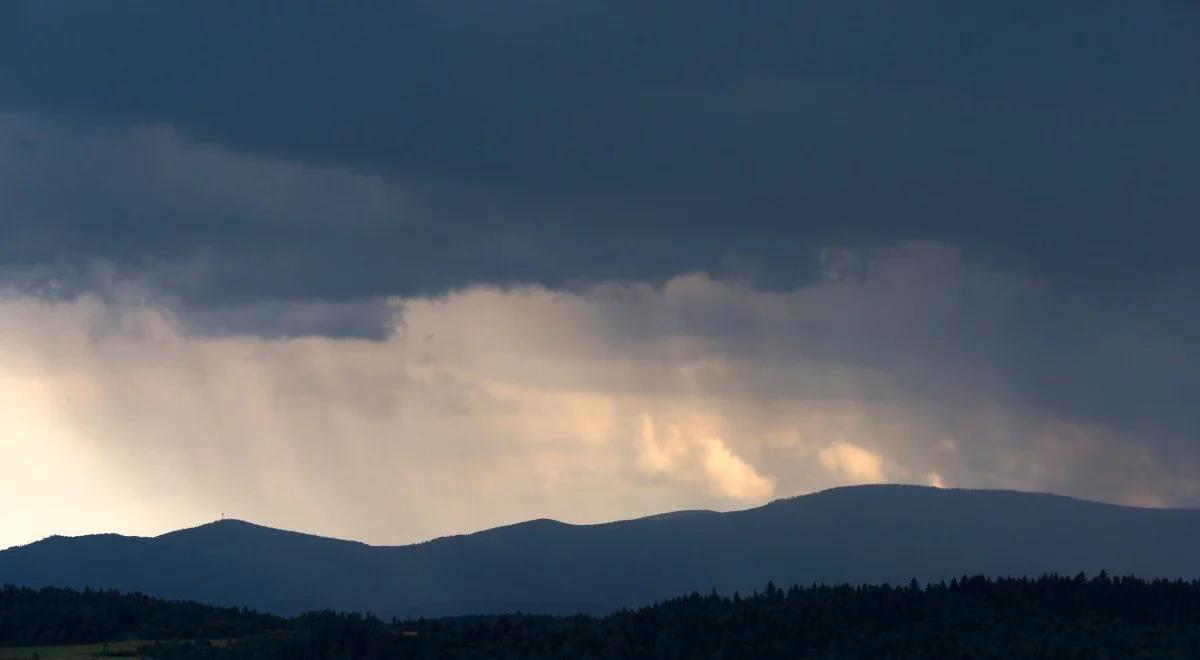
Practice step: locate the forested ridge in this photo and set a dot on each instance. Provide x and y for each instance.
(67, 616)
(971, 617)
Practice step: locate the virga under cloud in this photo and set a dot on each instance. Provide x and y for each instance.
(489, 405)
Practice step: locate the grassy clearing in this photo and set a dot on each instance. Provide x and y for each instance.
(78, 651)
(68, 651)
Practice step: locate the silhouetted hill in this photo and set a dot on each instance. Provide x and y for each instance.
(866, 534)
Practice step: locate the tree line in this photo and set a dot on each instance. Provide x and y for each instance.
(971, 617)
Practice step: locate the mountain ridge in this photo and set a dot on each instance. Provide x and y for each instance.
(862, 534)
(654, 516)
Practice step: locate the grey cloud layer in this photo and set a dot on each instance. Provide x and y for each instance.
(245, 154)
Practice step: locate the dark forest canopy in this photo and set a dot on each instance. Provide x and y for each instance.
(971, 617)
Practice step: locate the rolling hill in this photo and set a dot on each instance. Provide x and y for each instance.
(864, 534)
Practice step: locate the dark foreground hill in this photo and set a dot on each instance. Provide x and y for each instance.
(1051, 617)
(869, 534)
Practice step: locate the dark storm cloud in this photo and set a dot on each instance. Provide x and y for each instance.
(572, 142)
(285, 172)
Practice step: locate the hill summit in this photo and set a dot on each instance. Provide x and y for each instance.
(866, 534)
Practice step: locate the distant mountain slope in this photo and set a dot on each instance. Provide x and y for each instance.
(858, 534)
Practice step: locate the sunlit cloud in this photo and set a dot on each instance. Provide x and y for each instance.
(852, 463)
(731, 475)
(684, 453)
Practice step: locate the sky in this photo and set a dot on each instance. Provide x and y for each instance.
(392, 271)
